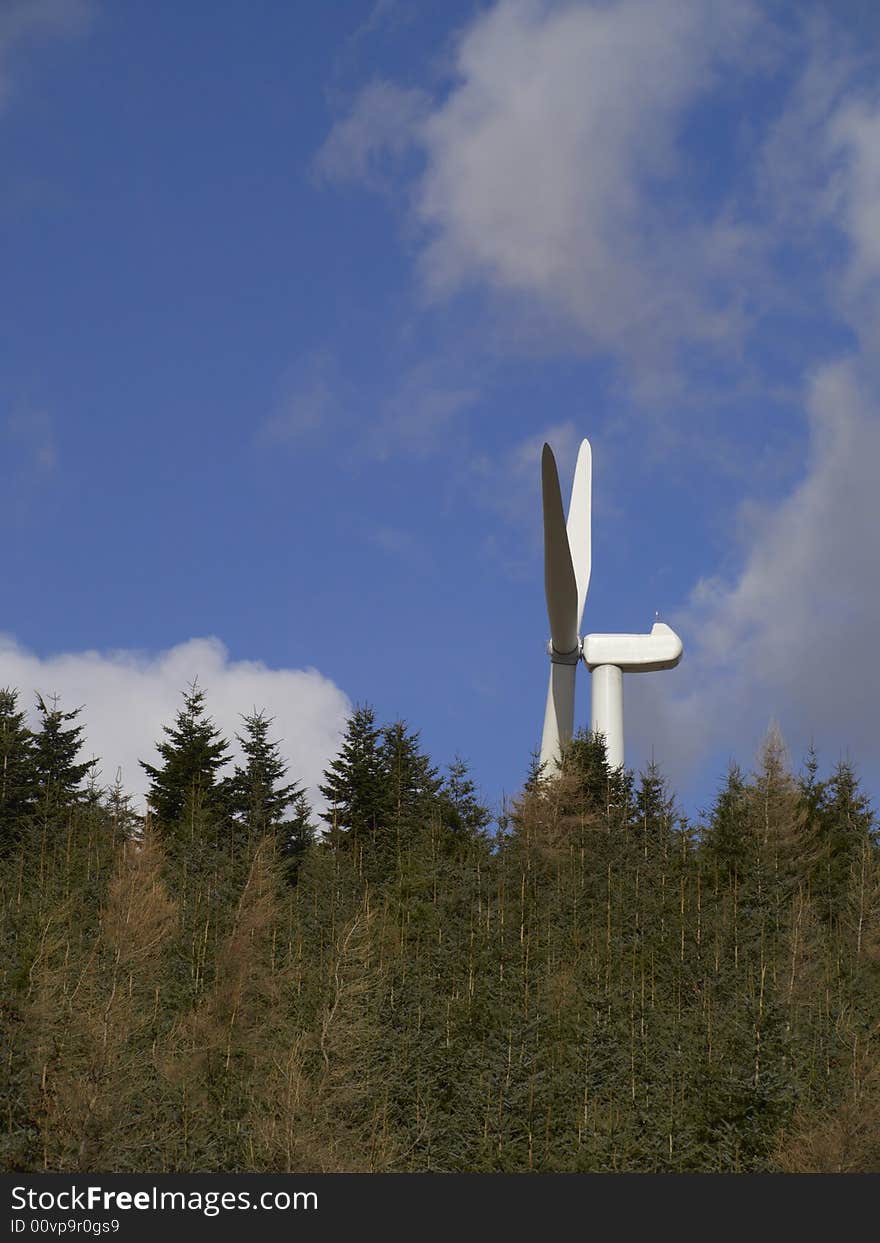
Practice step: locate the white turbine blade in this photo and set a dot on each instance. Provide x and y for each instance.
(579, 528)
(560, 585)
(558, 716)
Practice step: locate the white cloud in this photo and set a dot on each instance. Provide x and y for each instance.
(794, 636)
(380, 128)
(128, 697)
(553, 169)
(854, 141)
(820, 170)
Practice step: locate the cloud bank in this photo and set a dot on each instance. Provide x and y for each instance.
(129, 696)
(793, 637)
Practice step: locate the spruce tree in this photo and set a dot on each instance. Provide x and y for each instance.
(599, 788)
(844, 825)
(536, 775)
(412, 784)
(354, 783)
(462, 810)
(297, 834)
(192, 755)
(58, 776)
(254, 794)
(726, 841)
(18, 778)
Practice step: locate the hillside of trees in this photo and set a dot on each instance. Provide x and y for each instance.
(589, 982)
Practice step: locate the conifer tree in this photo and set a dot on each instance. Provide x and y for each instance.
(811, 788)
(779, 813)
(354, 783)
(192, 755)
(844, 825)
(125, 821)
(411, 782)
(654, 811)
(297, 833)
(598, 786)
(18, 789)
(726, 844)
(536, 774)
(462, 810)
(58, 776)
(254, 793)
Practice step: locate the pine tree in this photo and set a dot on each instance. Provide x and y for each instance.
(192, 755)
(598, 787)
(18, 788)
(537, 774)
(654, 811)
(354, 784)
(462, 810)
(254, 794)
(778, 817)
(726, 842)
(125, 821)
(844, 825)
(58, 776)
(297, 834)
(411, 782)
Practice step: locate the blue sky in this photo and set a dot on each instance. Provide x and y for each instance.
(291, 296)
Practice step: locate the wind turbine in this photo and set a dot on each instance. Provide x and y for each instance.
(567, 564)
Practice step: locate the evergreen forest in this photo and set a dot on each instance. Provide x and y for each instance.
(586, 981)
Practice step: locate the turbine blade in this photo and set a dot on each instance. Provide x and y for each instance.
(560, 585)
(558, 716)
(579, 525)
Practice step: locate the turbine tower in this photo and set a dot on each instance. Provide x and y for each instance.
(567, 564)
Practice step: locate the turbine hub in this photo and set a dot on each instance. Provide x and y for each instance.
(565, 658)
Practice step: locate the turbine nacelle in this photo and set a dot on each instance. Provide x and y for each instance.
(634, 653)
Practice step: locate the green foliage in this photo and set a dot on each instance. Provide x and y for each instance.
(461, 809)
(726, 844)
(18, 776)
(296, 834)
(354, 783)
(187, 782)
(254, 795)
(58, 778)
(842, 828)
(605, 988)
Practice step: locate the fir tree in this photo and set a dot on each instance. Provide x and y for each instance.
(254, 794)
(297, 834)
(462, 810)
(654, 811)
(536, 775)
(125, 821)
(412, 784)
(726, 842)
(58, 776)
(843, 827)
(192, 754)
(598, 786)
(354, 784)
(18, 778)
